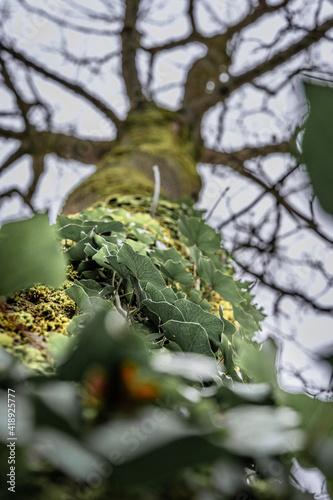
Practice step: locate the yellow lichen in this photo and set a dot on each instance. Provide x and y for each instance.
(29, 317)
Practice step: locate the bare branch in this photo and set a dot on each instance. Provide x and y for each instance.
(236, 162)
(130, 43)
(16, 155)
(76, 88)
(65, 23)
(204, 101)
(11, 134)
(282, 291)
(234, 158)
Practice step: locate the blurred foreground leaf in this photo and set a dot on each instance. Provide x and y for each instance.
(318, 143)
(29, 254)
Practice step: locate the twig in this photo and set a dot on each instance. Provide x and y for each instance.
(157, 188)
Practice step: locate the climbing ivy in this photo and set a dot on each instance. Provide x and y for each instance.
(128, 266)
(155, 387)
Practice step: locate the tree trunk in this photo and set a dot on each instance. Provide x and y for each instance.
(151, 136)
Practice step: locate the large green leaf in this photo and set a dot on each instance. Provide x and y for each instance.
(222, 283)
(229, 328)
(164, 294)
(77, 252)
(175, 271)
(318, 143)
(86, 300)
(72, 229)
(195, 314)
(183, 364)
(191, 337)
(164, 310)
(110, 260)
(140, 266)
(29, 254)
(198, 233)
(196, 297)
(151, 446)
(242, 314)
(169, 254)
(65, 453)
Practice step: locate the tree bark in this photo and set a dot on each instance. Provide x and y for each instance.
(149, 136)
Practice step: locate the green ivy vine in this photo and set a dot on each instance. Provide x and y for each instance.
(127, 266)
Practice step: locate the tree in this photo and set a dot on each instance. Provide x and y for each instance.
(210, 108)
(146, 132)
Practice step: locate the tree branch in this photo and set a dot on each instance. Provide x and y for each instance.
(221, 91)
(68, 147)
(130, 43)
(236, 158)
(16, 155)
(77, 89)
(65, 23)
(41, 143)
(12, 134)
(208, 68)
(282, 291)
(235, 161)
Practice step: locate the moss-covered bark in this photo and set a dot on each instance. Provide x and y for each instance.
(151, 136)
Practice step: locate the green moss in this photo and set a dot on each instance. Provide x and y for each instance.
(29, 317)
(150, 137)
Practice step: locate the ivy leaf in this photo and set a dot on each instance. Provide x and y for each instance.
(242, 314)
(137, 246)
(196, 297)
(229, 329)
(169, 254)
(195, 314)
(170, 446)
(175, 271)
(65, 452)
(103, 227)
(222, 283)
(102, 256)
(228, 359)
(91, 287)
(164, 310)
(164, 294)
(198, 233)
(191, 366)
(142, 235)
(77, 323)
(30, 254)
(191, 337)
(110, 261)
(72, 231)
(76, 252)
(86, 302)
(110, 242)
(89, 250)
(140, 266)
